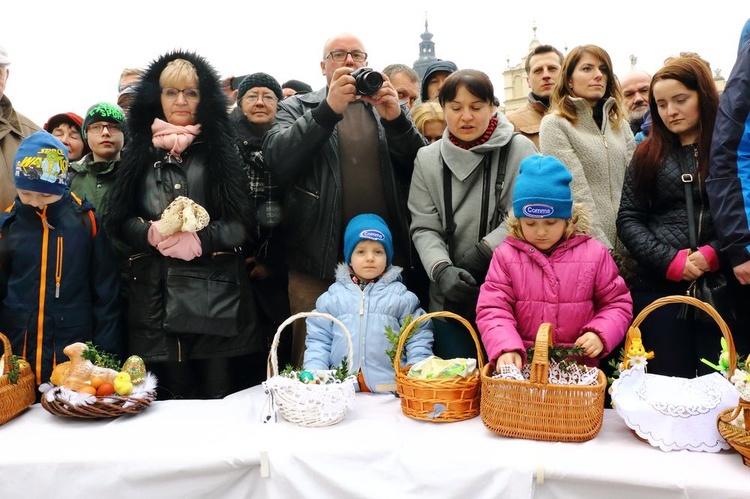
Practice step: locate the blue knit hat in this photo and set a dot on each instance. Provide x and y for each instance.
(41, 164)
(542, 189)
(367, 227)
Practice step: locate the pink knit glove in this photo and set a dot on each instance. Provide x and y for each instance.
(182, 245)
(154, 236)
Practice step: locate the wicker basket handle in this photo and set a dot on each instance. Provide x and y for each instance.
(635, 332)
(426, 317)
(7, 354)
(273, 360)
(540, 363)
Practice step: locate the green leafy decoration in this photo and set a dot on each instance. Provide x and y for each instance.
(393, 337)
(15, 369)
(101, 359)
(566, 357)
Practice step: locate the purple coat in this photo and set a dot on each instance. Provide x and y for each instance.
(576, 288)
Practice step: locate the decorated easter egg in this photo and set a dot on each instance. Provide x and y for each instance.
(135, 367)
(306, 377)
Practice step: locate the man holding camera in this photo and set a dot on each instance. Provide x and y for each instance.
(343, 150)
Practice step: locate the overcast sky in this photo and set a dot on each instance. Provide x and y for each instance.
(67, 55)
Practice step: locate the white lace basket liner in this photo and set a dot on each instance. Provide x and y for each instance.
(309, 404)
(676, 413)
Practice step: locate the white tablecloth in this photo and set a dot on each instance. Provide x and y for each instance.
(220, 449)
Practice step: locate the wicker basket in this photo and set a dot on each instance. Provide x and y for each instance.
(536, 410)
(724, 417)
(110, 406)
(737, 436)
(14, 398)
(309, 405)
(438, 400)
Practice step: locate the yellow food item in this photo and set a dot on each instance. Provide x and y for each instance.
(97, 381)
(80, 368)
(59, 373)
(87, 389)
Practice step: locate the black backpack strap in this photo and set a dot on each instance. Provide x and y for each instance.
(450, 225)
(502, 165)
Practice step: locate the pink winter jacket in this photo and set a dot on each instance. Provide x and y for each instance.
(576, 288)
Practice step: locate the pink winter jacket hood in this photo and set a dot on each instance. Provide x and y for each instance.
(576, 288)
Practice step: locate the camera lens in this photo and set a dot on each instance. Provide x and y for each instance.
(367, 81)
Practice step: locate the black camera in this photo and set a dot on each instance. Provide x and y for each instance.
(367, 81)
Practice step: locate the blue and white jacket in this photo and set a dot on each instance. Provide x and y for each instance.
(728, 184)
(365, 313)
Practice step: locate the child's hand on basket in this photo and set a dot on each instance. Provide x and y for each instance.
(509, 358)
(591, 343)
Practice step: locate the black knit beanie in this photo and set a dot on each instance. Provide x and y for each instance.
(259, 80)
(103, 111)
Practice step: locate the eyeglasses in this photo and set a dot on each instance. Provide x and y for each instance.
(340, 55)
(190, 94)
(267, 99)
(98, 128)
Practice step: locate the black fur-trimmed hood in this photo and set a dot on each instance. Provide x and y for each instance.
(217, 137)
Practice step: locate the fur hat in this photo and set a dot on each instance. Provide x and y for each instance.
(41, 164)
(367, 227)
(542, 189)
(259, 80)
(103, 111)
(298, 86)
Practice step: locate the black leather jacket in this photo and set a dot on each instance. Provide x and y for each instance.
(301, 150)
(655, 232)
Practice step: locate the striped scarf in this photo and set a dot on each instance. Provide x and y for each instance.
(481, 140)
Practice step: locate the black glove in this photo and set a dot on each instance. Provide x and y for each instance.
(455, 283)
(476, 261)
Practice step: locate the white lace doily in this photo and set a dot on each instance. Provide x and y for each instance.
(558, 375)
(674, 413)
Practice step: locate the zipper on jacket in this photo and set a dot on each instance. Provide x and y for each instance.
(179, 350)
(42, 293)
(700, 193)
(361, 331)
(58, 265)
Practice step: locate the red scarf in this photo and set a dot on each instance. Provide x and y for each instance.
(481, 140)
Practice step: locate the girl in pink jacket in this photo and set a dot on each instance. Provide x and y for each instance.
(550, 269)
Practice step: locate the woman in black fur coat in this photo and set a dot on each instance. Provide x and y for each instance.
(191, 314)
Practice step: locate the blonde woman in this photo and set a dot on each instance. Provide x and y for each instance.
(588, 132)
(429, 119)
(191, 313)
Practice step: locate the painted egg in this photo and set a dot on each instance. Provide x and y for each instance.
(135, 367)
(306, 377)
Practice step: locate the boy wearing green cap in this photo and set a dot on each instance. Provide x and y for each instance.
(103, 130)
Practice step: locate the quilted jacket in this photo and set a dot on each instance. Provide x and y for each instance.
(576, 288)
(654, 232)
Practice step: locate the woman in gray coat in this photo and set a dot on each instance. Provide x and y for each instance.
(461, 190)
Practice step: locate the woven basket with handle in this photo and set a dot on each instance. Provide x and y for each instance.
(439, 400)
(14, 397)
(737, 437)
(537, 410)
(304, 404)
